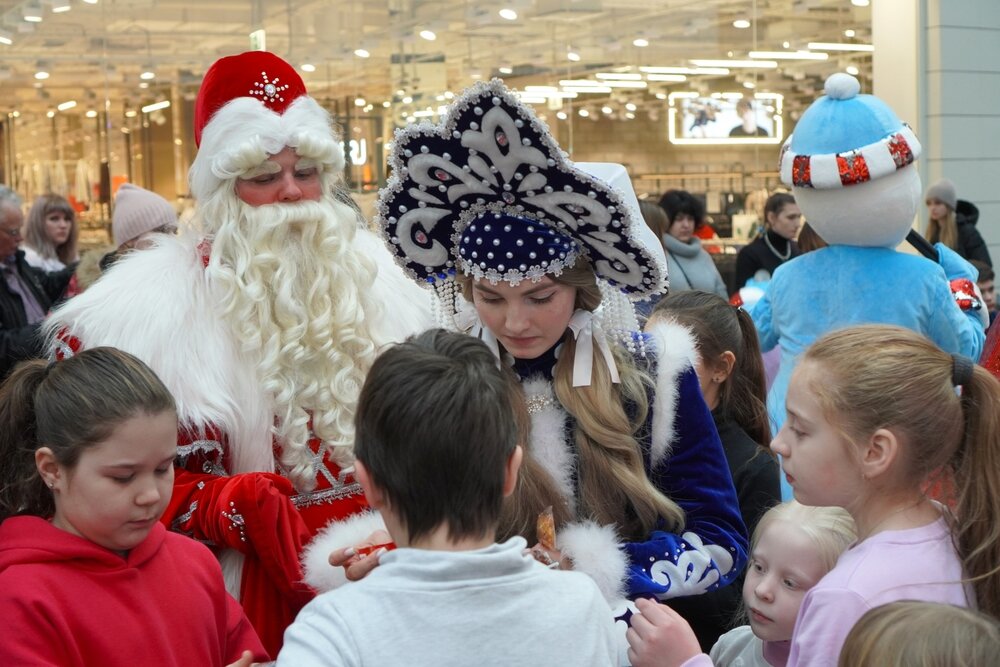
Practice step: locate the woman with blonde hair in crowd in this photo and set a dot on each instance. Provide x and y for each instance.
(50, 234)
(922, 634)
(952, 221)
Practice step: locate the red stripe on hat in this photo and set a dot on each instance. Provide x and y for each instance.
(900, 150)
(801, 174)
(853, 169)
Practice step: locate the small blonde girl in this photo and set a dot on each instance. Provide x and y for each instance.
(794, 546)
(922, 634)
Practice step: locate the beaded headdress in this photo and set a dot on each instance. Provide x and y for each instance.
(489, 193)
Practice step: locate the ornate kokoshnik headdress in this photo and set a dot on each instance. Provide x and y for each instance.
(489, 193)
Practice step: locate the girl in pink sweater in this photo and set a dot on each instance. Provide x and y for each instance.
(873, 413)
(88, 575)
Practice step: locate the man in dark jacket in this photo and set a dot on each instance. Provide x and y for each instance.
(26, 294)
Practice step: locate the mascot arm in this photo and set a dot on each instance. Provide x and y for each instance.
(970, 321)
(763, 319)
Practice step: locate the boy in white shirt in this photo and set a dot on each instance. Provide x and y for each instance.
(437, 453)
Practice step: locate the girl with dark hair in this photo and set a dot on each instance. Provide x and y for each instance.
(776, 245)
(85, 476)
(731, 374)
(689, 265)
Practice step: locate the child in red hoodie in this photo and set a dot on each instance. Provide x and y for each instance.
(88, 575)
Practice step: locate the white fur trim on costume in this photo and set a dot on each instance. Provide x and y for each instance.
(675, 351)
(548, 435)
(158, 305)
(596, 552)
(232, 561)
(319, 574)
(244, 132)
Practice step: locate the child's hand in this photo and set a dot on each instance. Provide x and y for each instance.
(659, 637)
(550, 557)
(357, 566)
(246, 660)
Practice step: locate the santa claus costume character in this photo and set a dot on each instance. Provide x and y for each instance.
(850, 164)
(550, 256)
(262, 324)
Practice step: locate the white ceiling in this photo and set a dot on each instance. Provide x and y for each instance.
(96, 51)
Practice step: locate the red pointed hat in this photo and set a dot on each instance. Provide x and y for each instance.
(257, 74)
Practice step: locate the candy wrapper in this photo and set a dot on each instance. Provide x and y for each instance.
(546, 529)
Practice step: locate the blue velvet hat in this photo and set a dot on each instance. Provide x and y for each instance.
(489, 193)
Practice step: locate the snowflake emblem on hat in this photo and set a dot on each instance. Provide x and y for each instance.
(268, 90)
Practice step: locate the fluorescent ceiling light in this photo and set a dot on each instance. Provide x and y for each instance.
(32, 12)
(156, 106)
(758, 64)
(429, 35)
(91, 113)
(61, 6)
(508, 14)
(685, 70)
(860, 3)
(362, 53)
(588, 89)
(640, 42)
(308, 67)
(837, 46)
(790, 55)
(41, 75)
(6, 37)
(741, 24)
(66, 106)
(617, 76)
(672, 78)
(573, 56)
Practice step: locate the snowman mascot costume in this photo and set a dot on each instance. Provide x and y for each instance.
(850, 165)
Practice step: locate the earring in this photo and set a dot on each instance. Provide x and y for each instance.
(52, 485)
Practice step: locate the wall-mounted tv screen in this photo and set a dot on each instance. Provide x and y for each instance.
(725, 118)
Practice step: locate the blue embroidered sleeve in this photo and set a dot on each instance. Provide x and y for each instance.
(712, 549)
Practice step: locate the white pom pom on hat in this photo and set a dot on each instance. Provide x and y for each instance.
(841, 86)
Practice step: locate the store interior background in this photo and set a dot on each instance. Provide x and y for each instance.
(122, 76)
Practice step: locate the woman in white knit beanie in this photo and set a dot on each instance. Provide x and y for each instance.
(139, 213)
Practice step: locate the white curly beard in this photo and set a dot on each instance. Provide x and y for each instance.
(292, 289)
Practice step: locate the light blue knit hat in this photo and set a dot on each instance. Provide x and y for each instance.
(845, 138)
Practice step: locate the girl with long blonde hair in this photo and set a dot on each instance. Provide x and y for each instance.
(542, 259)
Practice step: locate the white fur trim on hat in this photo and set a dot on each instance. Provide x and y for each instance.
(243, 133)
(836, 170)
(338, 534)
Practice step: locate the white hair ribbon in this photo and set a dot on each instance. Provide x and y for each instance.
(586, 330)
(467, 320)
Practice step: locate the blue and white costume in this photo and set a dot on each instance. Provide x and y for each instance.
(488, 193)
(850, 165)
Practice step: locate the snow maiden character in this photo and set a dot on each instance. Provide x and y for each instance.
(262, 325)
(542, 260)
(850, 165)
